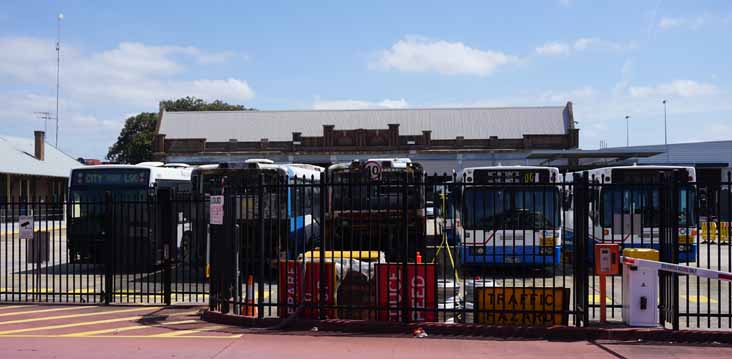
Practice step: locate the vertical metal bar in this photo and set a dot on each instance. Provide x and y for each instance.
(108, 247)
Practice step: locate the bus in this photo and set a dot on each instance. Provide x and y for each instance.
(289, 198)
(134, 189)
(368, 211)
(509, 216)
(626, 208)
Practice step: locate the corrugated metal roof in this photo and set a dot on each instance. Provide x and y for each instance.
(712, 152)
(18, 158)
(445, 123)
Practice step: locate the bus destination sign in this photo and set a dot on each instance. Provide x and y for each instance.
(116, 177)
(511, 176)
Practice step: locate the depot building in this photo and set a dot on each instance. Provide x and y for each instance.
(442, 139)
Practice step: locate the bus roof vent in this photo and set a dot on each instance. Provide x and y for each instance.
(150, 164)
(259, 160)
(176, 165)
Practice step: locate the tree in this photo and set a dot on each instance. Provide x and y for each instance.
(134, 143)
(196, 104)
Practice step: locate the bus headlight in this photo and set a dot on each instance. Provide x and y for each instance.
(477, 251)
(548, 241)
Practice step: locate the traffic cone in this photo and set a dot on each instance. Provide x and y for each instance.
(250, 308)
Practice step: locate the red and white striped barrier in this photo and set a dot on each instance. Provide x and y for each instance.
(676, 268)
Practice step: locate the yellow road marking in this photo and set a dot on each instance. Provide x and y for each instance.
(595, 298)
(26, 291)
(80, 324)
(78, 315)
(86, 291)
(124, 329)
(14, 307)
(47, 310)
(233, 336)
(70, 325)
(178, 333)
(701, 299)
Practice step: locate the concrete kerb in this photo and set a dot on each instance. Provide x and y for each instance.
(555, 333)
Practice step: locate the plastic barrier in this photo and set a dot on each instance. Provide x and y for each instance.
(640, 287)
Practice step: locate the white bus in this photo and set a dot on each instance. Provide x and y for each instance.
(133, 189)
(509, 215)
(625, 207)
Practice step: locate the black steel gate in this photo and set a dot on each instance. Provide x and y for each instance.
(114, 249)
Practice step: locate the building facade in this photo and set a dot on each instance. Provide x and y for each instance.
(442, 139)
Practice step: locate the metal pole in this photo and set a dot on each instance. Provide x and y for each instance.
(665, 132)
(58, 66)
(627, 131)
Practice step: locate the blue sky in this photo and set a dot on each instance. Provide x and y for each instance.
(610, 59)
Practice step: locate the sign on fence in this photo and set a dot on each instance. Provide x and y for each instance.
(293, 291)
(216, 210)
(26, 227)
(522, 306)
(420, 282)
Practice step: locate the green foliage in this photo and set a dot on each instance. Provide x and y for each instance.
(196, 104)
(134, 144)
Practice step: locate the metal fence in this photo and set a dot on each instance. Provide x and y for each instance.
(111, 249)
(404, 248)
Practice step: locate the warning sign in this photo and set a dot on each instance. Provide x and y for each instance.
(522, 306)
(293, 291)
(26, 227)
(420, 285)
(216, 209)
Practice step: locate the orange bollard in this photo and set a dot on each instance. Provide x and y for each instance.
(250, 308)
(419, 258)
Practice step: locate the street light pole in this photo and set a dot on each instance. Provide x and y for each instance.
(627, 131)
(58, 66)
(665, 133)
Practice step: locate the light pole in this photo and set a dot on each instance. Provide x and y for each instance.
(58, 66)
(665, 133)
(627, 130)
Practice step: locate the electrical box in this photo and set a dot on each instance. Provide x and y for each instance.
(640, 296)
(607, 259)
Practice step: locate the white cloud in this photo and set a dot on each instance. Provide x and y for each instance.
(414, 54)
(358, 104)
(558, 48)
(553, 49)
(98, 88)
(681, 88)
(693, 23)
(130, 74)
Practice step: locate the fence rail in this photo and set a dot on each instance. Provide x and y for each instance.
(405, 249)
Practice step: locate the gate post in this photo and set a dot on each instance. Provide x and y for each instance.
(323, 278)
(669, 248)
(581, 243)
(260, 236)
(168, 226)
(108, 246)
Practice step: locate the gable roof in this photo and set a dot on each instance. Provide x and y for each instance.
(18, 158)
(445, 123)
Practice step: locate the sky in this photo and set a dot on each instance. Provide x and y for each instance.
(610, 58)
